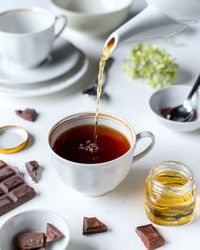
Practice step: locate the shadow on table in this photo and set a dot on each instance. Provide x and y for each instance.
(79, 245)
(183, 77)
(133, 185)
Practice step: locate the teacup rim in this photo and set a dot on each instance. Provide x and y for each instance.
(89, 165)
(31, 9)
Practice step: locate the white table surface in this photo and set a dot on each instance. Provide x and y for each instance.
(122, 209)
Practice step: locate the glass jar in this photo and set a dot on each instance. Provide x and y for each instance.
(170, 194)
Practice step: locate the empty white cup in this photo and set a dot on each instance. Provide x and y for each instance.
(27, 36)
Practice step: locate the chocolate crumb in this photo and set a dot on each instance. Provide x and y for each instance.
(27, 114)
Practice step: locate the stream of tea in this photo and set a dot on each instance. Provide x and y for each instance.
(104, 58)
(93, 143)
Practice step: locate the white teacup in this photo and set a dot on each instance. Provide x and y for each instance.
(27, 36)
(96, 179)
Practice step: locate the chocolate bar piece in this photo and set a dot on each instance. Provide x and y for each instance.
(27, 114)
(93, 225)
(150, 236)
(52, 233)
(31, 241)
(2, 163)
(13, 190)
(32, 169)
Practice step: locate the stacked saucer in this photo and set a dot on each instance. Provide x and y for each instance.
(64, 67)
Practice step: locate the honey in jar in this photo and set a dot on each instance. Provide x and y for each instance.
(170, 194)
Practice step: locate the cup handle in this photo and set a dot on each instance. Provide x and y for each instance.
(63, 26)
(142, 135)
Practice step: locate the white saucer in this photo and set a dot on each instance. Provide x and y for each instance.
(49, 87)
(63, 58)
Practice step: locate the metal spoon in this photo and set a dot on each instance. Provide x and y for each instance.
(184, 112)
(92, 89)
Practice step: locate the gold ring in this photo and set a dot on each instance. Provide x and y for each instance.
(13, 138)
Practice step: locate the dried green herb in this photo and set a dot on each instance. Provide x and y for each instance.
(153, 64)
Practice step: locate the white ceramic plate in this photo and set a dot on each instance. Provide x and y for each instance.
(49, 87)
(63, 58)
(33, 221)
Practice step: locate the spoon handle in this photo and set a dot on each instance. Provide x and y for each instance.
(195, 87)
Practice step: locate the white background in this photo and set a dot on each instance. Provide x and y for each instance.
(122, 209)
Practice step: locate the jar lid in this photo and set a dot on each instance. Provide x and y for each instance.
(13, 138)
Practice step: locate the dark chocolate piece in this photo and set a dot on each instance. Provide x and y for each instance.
(31, 241)
(2, 163)
(150, 236)
(32, 169)
(27, 114)
(13, 190)
(93, 225)
(52, 233)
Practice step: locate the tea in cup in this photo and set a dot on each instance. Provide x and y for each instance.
(94, 167)
(27, 36)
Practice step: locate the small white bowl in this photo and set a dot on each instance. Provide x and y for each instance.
(91, 16)
(171, 97)
(33, 221)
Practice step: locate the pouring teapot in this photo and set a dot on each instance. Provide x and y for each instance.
(161, 18)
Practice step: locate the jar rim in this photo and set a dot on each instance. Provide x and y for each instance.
(176, 167)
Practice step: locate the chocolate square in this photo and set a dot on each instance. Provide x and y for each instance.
(10, 183)
(150, 236)
(93, 225)
(31, 240)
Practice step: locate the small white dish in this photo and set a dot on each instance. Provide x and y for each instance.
(63, 58)
(172, 97)
(33, 221)
(49, 87)
(93, 17)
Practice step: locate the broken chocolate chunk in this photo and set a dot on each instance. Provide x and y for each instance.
(13, 190)
(2, 163)
(32, 169)
(52, 233)
(31, 241)
(27, 114)
(150, 236)
(93, 225)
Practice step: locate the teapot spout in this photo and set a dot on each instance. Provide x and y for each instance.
(150, 23)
